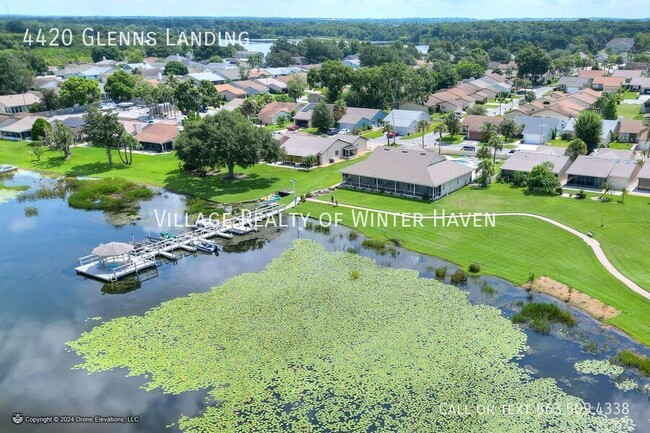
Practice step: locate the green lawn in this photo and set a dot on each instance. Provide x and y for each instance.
(162, 170)
(620, 146)
(429, 130)
(453, 140)
(630, 95)
(559, 142)
(520, 245)
(373, 134)
(630, 111)
(273, 128)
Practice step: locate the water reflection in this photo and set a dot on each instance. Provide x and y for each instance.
(45, 304)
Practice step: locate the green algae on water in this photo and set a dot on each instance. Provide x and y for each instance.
(302, 346)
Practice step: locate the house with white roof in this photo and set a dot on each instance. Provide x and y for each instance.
(405, 122)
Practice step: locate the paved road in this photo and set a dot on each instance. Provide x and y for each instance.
(593, 243)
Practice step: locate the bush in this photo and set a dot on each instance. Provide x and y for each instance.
(372, 244)
(31, 211)
(475, 268)
(459, 277)
(559, 190)
(319, 228)
(627, 358)
(355, 275)
(441, 272)
(309, 225)
(487, 289)
(519, 179)
(581, 194)
(540, 316)
(352, 235)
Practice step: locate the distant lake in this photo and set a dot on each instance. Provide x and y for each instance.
(45, 304)
(264, 45)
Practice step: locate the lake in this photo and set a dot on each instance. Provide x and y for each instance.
(264, 45)
(45, 304)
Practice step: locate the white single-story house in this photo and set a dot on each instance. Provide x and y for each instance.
(12, 104)
(405, 122)
(326, 150)
(538, 130)
(407, 172)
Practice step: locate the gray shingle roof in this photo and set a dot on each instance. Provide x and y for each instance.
(418, 167)
(305, 145)
(525, 161)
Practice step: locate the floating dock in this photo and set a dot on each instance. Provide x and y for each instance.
(145, 254)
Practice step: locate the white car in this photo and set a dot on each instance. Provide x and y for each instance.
(344, 131)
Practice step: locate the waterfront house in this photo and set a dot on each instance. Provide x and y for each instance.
(20, 129)
(619, 168)
(523, 162)
(644, 177)
(326, 150)
(158, 137)
(407, 172)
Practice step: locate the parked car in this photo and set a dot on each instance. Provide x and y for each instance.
(293, 127)
(277, 133)
(512, 151)
(332, 131)
(345, 131)
(392, 134)
(469, 148)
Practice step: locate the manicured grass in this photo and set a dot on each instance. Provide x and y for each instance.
(559, 142)
(620, 146)
(162, 170)
(630, 111)
(630, 95)
(373, 134)
(512, 250)
(623, 236)
(453, 140)
(273, 128)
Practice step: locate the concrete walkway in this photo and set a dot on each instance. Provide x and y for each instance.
(593, 243)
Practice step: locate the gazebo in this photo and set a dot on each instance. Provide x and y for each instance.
(113, 254)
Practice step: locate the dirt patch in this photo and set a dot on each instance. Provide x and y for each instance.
(571, 296)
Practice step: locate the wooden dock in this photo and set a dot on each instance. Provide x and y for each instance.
(145, 253)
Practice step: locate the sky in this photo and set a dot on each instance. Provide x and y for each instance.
(481, 9)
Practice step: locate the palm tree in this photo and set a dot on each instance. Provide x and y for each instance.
(487, 171)
(488, 130)
(607, 187)
(387, 129)
(422, 127)
(496, 143)
(440, 128)
(624, 192)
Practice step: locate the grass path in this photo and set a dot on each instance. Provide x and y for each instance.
(593, 243)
